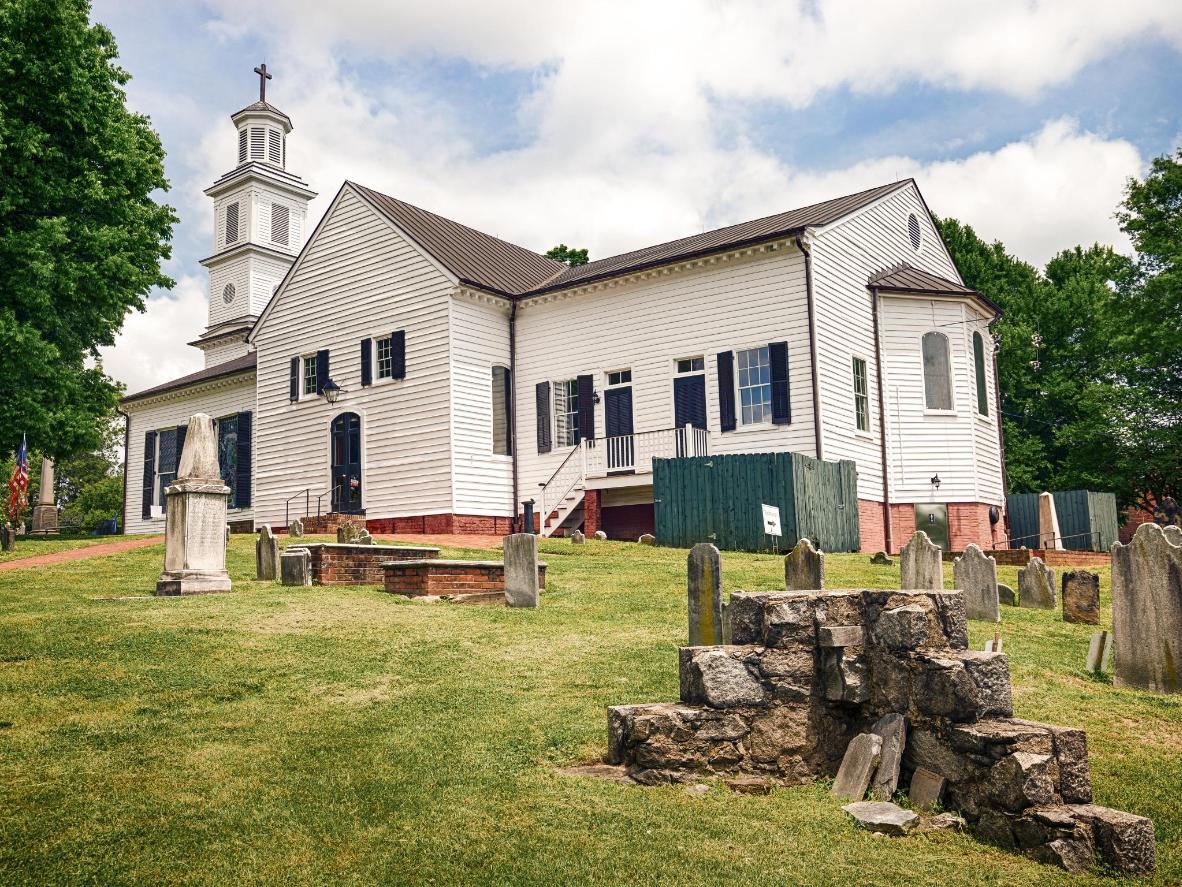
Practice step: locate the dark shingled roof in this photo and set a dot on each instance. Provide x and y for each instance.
(903, 278)
(262, 106)
(242, 364)
(490, 263)
(474, 257)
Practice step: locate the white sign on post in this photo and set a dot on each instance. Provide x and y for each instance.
(771, 520)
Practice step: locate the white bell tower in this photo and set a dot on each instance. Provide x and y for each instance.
(260, 213)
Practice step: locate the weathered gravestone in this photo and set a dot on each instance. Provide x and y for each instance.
(7, 538)
(45, 511)
(921, 564)
(1081, 597)
(1036, 586)
(347, 532)
(521, 570)
(600, 535)
(364, 537)
(647, 539)
(1006, 595)
(295, 567)
(880, 559)
(296, 528)
(892, 729)
(804, 568)
(975, 574)
(1048, 523)
(1098, 647)
(577, 538)
(195, 518)
(266, 555)
(857, 766)
(926, 788)
(1147, 611)
(704, 569)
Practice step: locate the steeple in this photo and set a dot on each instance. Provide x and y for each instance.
(260, 214)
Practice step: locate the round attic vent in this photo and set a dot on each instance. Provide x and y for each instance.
(228, 293)
(913, 230)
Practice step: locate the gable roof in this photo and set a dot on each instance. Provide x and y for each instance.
(782, 224)
(472, 256)
(904, 278)
(243, 364)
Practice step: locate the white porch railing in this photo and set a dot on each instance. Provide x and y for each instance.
(626, 453)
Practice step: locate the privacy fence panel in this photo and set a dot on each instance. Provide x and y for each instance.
(720, 499)
(1087, 519)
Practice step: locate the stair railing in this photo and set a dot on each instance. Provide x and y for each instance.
(568, 475)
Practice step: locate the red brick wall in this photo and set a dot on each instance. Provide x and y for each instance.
(322, 524)
(1134, 517)
(418, 578)
(358, 564)
(462, 524)
(967, 522)
(1020, 557)
(627, 522)
(870, 526)
(591, 511)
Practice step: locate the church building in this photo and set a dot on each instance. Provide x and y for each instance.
(425, 377)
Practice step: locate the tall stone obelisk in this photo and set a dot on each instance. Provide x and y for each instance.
(45, 511)
(195, 518)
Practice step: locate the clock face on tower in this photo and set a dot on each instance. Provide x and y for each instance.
(228, 293)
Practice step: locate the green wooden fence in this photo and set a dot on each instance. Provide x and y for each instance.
(1087, 520)
(719, 499)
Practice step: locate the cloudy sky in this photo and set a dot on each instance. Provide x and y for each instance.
(622, 123)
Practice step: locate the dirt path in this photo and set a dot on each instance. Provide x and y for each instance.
(78, 554)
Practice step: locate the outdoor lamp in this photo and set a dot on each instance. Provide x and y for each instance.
(331, 391)
(935, 481)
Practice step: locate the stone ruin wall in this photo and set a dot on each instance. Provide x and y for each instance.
(806, 672)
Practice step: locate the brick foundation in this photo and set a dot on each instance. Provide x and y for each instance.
(627, 522)
(967, 522)
(1020, 557)
(592, 500)
(870, 526)
(443, 524)
(418, 578)
(347, 564)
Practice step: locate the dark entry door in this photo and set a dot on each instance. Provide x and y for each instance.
(932, 518)
(689, 407)
(345, 443)
(617, 408)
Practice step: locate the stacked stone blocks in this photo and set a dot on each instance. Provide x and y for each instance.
(807, 672)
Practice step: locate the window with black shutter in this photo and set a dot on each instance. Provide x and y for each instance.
(502, 443)
(726, 390)
(398, 354)
(228, 454)
(293, 387)
(586, 407)
(542, 401)
(781, 399)
(366, 361)
(321, 370)
(166, 461)
(245, 453)
(149, 479)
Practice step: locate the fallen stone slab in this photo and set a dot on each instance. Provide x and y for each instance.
(857, 767)
(892, 729)
(882, 817)
(749, 785)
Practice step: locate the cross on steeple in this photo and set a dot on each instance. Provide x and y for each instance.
(261, 70)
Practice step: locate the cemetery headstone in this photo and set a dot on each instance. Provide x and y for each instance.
(1048, 523)
(1036, 586)
(266, 555)
(1173, 533)
(892, 729)
(880, 559)
(521, 570)
(926, 789)
(364, 537)
(195, 518)
(647, 539)
(804, 568)
(7, 538)
(295, 567)
(296, 528)
(347, 532)
(1006, 595)
(45, 511)
(921, 563)
(1147, 611)
(1096, 647)
(577, 538)
(704, 568)
(600, 535)
(857, 766)
(975, 574)
(1081, 597)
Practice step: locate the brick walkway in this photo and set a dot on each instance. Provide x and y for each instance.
(78, 554)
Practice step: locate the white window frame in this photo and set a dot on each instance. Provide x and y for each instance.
(622, 383)
(569, 388)
(677, 371)
(307, 360)
(377, 358)
(869, 430)
(740, 424)
(923, 378)
(986, 345)
(510, 430)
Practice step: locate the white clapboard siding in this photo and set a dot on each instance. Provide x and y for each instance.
(479, 341)
(962, 448)
(845, 255)
(265, 274)
(218, 400)
(358, 279)
(241, 196)
(235, 271)
(646, 326)
(220, 353)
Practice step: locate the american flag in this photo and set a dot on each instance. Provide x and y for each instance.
(18, 485)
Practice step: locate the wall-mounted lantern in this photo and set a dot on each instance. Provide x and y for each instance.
(332, 391)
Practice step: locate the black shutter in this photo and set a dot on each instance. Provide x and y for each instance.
(586, 385)
(242, 471)
(781, 400)
(398, 354)
(510, 410)
(293, 389)
(321, 370)
(181, 432)
(149, 472)
(726, 390)
(366, 361)
(542, 395)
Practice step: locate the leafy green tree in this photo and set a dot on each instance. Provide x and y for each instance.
(81, 238)
(568, 255)
(96, 504)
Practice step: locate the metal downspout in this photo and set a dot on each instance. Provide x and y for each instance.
(882, 427)
(808, 287)
(513, 406)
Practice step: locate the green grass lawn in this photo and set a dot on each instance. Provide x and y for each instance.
(339, 735)
(31, 546)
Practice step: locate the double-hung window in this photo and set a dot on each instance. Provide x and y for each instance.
(755, 385)
(937, 372)
(502, 445)
(228, 455)
(861, 395)
(167, 458)
(385, 358)
(979, 367)
(566, 413)
(308, 386)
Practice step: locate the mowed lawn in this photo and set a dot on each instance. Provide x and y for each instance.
(339, 735)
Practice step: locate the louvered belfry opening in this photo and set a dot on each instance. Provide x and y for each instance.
(279, 224)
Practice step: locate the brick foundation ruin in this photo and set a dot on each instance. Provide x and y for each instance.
(807, 672)
(448, 578)
(337, 563)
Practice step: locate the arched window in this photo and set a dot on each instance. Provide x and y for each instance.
(937, 372)
(979, 364)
